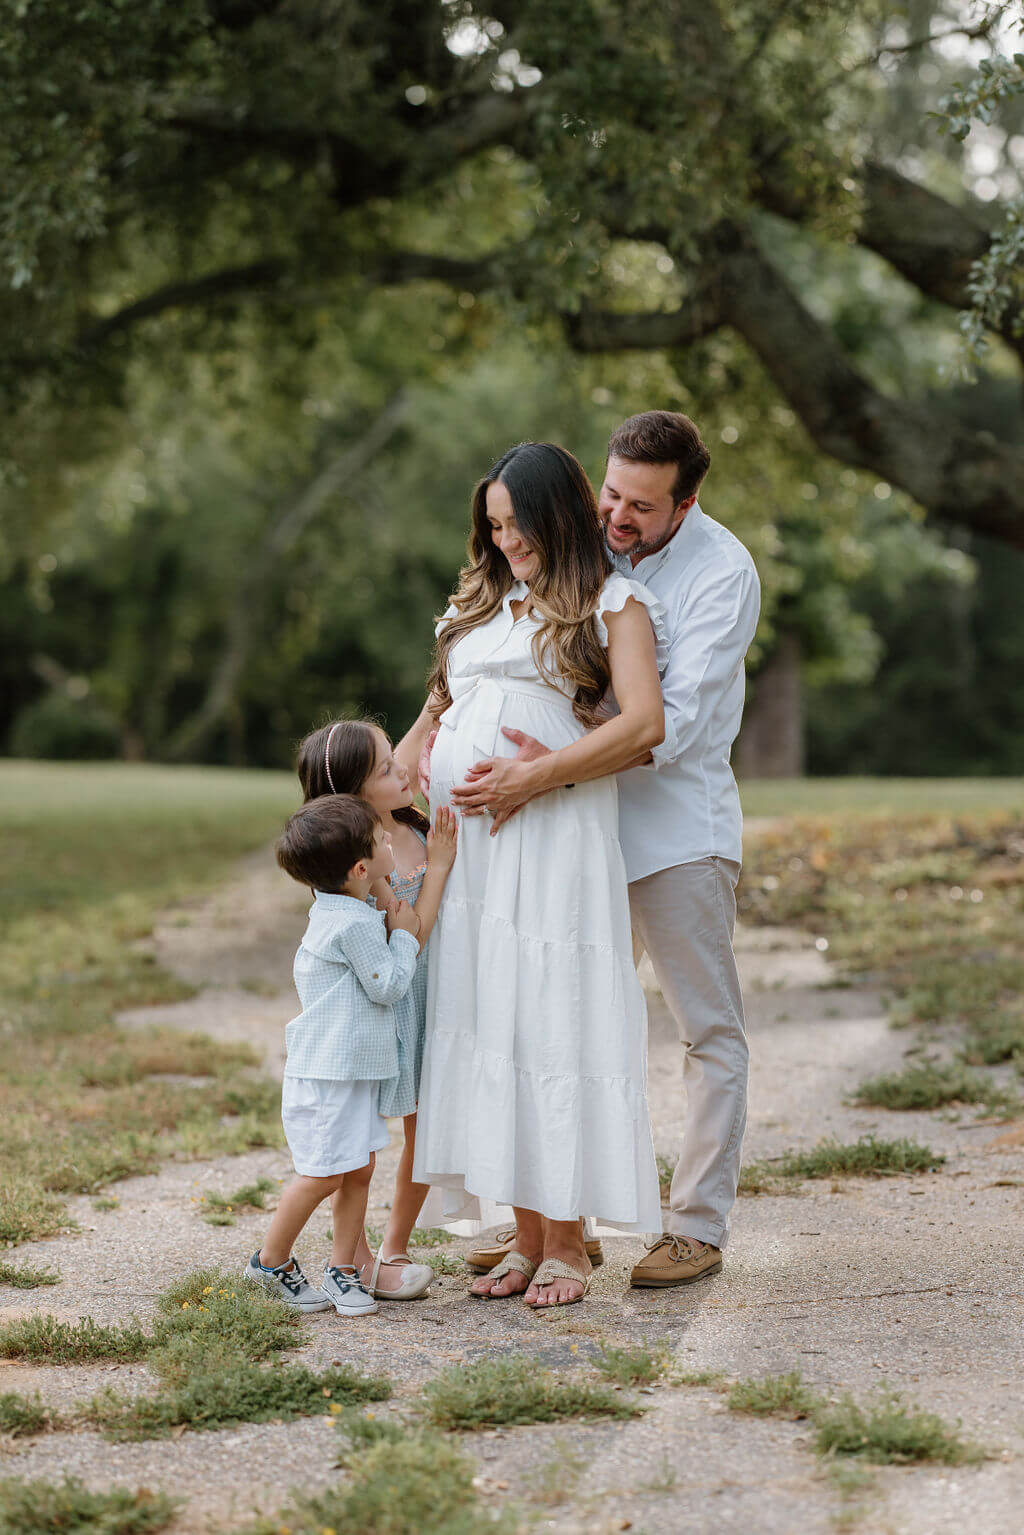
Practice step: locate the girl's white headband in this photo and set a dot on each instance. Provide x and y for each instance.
(327, 755)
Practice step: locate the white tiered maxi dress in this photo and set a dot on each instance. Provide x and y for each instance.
(533, 1090)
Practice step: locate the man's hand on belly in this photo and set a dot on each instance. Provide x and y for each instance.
(497, 785)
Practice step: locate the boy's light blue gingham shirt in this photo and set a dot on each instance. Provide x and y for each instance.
(348, 976)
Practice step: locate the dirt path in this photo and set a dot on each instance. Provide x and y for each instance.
(918, 1282)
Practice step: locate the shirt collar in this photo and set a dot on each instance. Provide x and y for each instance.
(329, 900)
(517, 592)
(677, 548)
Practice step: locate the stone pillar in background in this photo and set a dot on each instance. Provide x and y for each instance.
(771, 741)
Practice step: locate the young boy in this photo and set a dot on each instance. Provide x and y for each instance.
(348, 974)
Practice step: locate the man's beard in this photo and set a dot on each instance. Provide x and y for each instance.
(641, 548)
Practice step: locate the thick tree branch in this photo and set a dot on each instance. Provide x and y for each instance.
(958, 475)
(600, 330)
(928, 240)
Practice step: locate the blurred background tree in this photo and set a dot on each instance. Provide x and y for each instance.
(280, 281)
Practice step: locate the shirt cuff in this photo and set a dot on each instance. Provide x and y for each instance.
(667, 750)
(400, 933)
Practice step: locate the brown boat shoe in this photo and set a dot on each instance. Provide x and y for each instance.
(672, 1260)
(484, 1258)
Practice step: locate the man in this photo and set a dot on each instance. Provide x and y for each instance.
(679, 814)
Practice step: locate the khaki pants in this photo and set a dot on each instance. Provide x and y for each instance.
(684, 918)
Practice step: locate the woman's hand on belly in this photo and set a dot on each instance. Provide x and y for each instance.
(500, 786)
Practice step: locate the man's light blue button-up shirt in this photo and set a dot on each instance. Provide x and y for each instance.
(686, 805)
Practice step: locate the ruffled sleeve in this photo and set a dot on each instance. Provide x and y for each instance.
(449, 613)
(615, 593)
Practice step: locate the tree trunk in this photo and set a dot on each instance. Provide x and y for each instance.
(771, 743)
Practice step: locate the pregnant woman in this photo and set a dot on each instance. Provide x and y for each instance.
(534, 1076)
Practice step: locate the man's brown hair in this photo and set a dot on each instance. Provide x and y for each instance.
(664, 437)
(323, 841)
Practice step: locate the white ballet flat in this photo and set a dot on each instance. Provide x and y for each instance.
(416, 1278)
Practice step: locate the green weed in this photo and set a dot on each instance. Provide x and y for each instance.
(631, 1366)
(106, 1202)
(28, 1212)
(430, 1236)
(21, 1416)
(234, 1391)
(22, 1276)
(493, 1392)
(418, 1484)
(931, 1087)
(209, 1312)
(886, 1432)
(773, 1396)
(47, 1340)
(868, 1157)
(666, 1170)
(221, 1209)
(41, 1508)
(714, 1378)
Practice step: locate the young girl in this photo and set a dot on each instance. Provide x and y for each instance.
(355, 757)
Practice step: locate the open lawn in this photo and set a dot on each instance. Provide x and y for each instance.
(90, 853)
(880, 796)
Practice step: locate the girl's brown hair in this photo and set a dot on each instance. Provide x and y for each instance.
(346, 765)
(556, 513)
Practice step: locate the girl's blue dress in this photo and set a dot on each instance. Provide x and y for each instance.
(399, 1094)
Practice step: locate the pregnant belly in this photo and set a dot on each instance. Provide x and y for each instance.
(472, 729)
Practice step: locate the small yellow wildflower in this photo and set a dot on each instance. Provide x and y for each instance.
(574, 1348)
(335, 1407)
(208, 1290)
(184, 1305)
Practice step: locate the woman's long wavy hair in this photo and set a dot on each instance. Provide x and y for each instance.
(556, 514)
(353, 753)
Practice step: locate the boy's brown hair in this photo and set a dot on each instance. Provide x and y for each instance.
(324, 840)
(664, 437)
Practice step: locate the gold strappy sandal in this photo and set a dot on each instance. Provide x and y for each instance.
(512, 1262)
(554, 1268)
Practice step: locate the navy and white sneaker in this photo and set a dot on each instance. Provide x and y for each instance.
(287, 1283)
(347, 1293)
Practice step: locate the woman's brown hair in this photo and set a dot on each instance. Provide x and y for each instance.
(339, 758)
(556, 515)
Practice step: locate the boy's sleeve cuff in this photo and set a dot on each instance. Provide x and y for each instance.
(407, 938)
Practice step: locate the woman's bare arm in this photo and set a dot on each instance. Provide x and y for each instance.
(501, 784)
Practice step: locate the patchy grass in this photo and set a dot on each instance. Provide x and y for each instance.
(631, 1366)
(221, 1209)
(69, 1508)
(773, 1396)
(886, 1432)
(210, 1314)
(415, 1484)
(22, 1276)
(927, 903)
(233, 1391)
(106, 1202)
(83, 1103)
(883, 1431)
(714, 1378)
(21, 1416)
(868, 1157)
(46, 1340)
(666, 1168)
(491, 1393)
(28, 1212)
(430, 1236)
(930, 1086)
(440, 1262)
